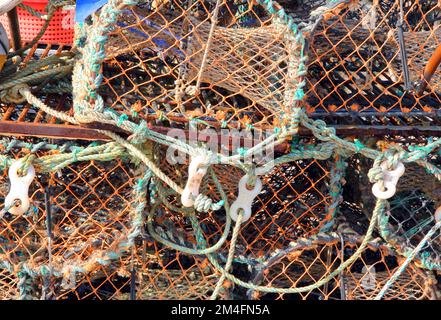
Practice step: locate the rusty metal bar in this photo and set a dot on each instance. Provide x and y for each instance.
(14, 27)
(367, 114)
(361, 130)
(429, 70)
(56, 131)
(403, 53)
(62, 131)
(70, 132)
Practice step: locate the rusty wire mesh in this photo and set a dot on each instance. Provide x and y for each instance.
(307, 262)
(410, 214)
(90, 203)
(155, 63)
(355, 66)
(292, 203)
(356, 63)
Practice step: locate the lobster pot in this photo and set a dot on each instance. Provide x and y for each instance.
(91, 216)
(293, 202)
(8, 283)
(169, 60)
(307, 261)
(410, 213)
(153, 272)
(89, 204)
(357, 64)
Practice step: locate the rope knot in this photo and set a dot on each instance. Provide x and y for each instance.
(140, 133)
(85, 112)
(386, 172)
(322, 131)
(376, 173)
(393, 155)
(26, 162)
(88, 116)
(14, 94)
(203, 203)
(192, 91)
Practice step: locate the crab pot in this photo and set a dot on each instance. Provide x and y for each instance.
(293, 202)
(410, 213)
(87, 206)
(357, 67)
(308, 261)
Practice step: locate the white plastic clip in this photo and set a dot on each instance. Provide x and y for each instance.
(395, 174)
(245, 198)
(391, 178)
(388, 193)
(196, 171)
(19, 189)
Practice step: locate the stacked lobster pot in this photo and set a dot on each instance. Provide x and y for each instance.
(222, 149)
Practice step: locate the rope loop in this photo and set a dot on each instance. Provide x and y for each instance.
(385, 173)
(26, 162)
(14, 94)
(140, 133)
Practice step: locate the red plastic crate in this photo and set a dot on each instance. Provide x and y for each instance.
(60, 30)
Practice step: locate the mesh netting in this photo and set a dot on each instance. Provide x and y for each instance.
(410, 214)
(357, 64)
(179, 60)
(307, 262)
(292, 203)
(89, 205)
(108, 220)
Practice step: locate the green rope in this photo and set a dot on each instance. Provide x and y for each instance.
(89, 106)
(215, 247)
(230, 257)
(335, 190)
(24, 285)
(378, 209)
